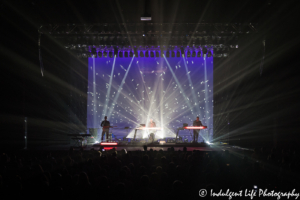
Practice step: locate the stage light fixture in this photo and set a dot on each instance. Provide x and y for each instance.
(178, 54)
(173, 54)
(135, 52)
(182, 50)
(156, 54)
(146, 54)
(110, 54)
(146, 16)
(79, 55)
(168, 54)
(120, 54)
(194, 54)
(126, 54)
(204, 51)
(94, 53)
(151, 54)
(130, 54)
(141, 54)
(188, 54)
(217, 53)
(199, 54)
(209, 54)
(115, 52)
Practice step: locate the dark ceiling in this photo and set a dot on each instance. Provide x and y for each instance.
(162, 11)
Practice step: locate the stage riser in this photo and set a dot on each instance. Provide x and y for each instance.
(151, 145)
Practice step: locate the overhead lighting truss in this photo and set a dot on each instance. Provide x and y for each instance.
(130, 39)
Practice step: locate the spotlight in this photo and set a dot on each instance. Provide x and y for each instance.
(141, 54)
(178, 54)
(209, 54)
(199, 54)
(135, 52)
(94, 53)
(126, 54)
(217, 53)
(84, 55)
(115, 51)
(110, 54)
(188, 54)
(121, 54)
(182, 50)
(173, 54)
(146, 54)
(105, 54)
(168, 54)
(194, 54)
(146, 16)
(151, 54)
(130, 54)
(156, 54)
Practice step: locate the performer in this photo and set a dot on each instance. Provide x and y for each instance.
(197, 122)
(152, 135)
(105, 124)
(152, 123)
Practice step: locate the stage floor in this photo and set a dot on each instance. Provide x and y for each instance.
(140, 147)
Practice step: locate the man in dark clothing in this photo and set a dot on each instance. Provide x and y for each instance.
(105, 124)
(152, 134)
(197, 122)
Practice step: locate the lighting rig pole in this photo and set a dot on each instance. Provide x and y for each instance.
(228, 123)
(25, 136)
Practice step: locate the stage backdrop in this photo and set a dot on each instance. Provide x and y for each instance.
(131, 91)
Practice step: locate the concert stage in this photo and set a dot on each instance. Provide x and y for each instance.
(131, 90)
(132, 85)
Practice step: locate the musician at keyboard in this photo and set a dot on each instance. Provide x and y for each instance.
(106, 125)
(151, 123)
(197, 122)
(151, 135)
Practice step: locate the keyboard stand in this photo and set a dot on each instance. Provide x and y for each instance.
(77, 141)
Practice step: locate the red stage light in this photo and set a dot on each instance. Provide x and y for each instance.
(195, 127)
(109, 143)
